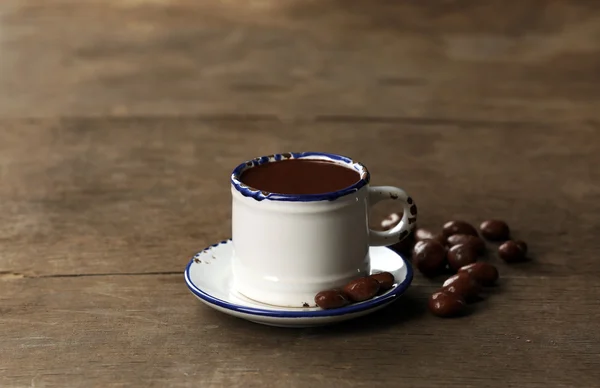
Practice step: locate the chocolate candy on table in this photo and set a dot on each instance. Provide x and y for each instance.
(463, 285)
(423, 234)
(361, 289)
(331, 299)
(429, 256)
(458, 227)
(511, 251)
(495, 230)
(446, 305)
(385, 279)
(441, 239)
(456, 239)
(405, 245)
(461, 255)
(484, 273)
(390, 221)
(523, 245)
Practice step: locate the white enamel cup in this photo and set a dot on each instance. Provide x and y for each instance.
(287, 248)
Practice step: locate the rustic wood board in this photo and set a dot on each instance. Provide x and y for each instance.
(113, 331)
(120, 121)
(470, 60)
(82, 196)
(98, 223)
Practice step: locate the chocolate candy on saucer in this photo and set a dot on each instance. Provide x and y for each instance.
(331, 299)
(385, 279)
(361, 289)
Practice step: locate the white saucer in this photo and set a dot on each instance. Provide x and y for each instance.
(209, 277)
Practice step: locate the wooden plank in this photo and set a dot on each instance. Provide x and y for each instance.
(115, 331)
(528, 61)
(142, 195)
(477, 109)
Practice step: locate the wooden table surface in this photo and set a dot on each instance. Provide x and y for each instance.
(120, 121)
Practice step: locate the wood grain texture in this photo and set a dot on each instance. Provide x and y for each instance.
(139, 196)
(148, 330)
(530, 61)
(120, 121)
(143, 195)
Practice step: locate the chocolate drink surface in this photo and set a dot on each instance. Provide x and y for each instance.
(300, 176)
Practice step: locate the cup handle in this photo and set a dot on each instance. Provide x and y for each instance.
(406, 224)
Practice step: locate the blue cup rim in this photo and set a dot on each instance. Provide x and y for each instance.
(259, 195)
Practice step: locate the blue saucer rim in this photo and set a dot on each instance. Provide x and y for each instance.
(388, 297)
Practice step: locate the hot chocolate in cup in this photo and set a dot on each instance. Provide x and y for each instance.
(300, 225)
